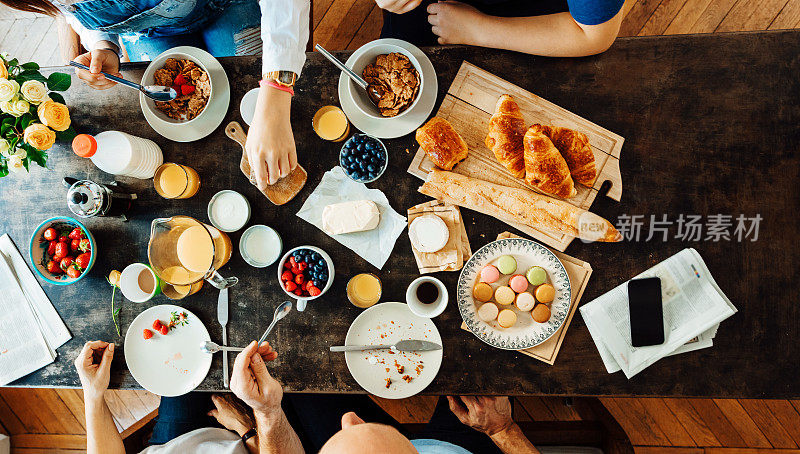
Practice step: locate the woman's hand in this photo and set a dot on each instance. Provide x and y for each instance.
(270, 143)
(94, 369)
(252, 383)
(100, 59)
(398, 6)
(455, 22)
(490, 415)
(232, 413)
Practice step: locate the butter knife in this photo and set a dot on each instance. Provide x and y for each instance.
(222, 318)
(403, 345)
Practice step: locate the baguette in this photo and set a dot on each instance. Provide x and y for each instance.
(518, 205)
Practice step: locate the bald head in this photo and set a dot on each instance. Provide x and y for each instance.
(357, 437)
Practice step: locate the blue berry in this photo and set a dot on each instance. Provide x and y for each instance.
(371, 168)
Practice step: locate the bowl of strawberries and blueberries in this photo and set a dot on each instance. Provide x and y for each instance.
(62, 250)
(305, 272)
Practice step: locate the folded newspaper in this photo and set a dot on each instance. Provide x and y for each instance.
(694, 306)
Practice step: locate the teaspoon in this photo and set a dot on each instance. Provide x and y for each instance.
(213, 347)
(156, 92)
(280, 312)
(373, 93)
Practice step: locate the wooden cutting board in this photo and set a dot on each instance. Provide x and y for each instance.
(468, 105)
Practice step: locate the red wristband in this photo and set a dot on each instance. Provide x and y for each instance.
(276, 85)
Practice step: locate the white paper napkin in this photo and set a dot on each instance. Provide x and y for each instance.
(374, 246)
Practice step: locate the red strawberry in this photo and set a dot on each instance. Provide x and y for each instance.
(286, 264)
(85, 245)
(292, 261)
(62, 250)
(157, 325)
(298, 292)
(177, 89)
(296, 270)
(50, 234)
(52, 267)
(179, 80)
(308, 284)
(63, 239)
(299, 279)
(313, 291)
(290, 286)
(187, 89)
(164, 330)
(75, 245)
(73, 271)
(147, 333)
(51, 248)
(76, 234)
(302, 266)
(83, 260)
(65, 263)
(287, 276)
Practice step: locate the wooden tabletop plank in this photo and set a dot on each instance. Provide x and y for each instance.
(662, 17)
(768, 423)
(717, 422)
(743, 423)
(667, 422)
(692, 422)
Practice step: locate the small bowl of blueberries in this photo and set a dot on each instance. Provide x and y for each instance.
(364, 158)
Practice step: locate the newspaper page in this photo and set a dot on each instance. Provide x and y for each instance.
(694, 305)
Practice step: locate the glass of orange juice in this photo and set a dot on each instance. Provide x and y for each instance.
(330, 123)
(176, 181)
(364, 290)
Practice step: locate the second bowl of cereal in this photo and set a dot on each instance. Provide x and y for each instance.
(188, 77)
(396, 74)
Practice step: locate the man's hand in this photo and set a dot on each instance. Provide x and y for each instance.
(252, 382)
(100, 59)
(94, 369)
(490, 415)
(398, 6)
(270, 142)
(231, 413)
(455, 22)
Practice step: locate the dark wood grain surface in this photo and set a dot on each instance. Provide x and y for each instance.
(712, 126)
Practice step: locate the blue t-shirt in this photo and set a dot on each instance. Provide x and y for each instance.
(594, 12)
(428, 446)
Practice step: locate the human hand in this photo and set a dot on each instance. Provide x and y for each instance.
(490, 415)
(232, 413)
(105, 60)
(252, 382)
(94, 368)
(270, 143)
(398, 6)
(454, 22)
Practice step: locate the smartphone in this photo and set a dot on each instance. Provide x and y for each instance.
(647, 313)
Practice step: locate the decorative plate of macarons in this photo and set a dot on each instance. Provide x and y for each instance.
(514, 294)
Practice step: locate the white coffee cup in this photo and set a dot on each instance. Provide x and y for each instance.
(131, 281)
(426, 310)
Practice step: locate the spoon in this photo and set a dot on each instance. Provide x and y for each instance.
(373, 93)
(213, 347)
(156, 92)
(280, 312)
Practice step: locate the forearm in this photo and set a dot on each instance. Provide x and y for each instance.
(552, 35)
(512, 440)
(69, 41)
(102, 436)
(276, 436)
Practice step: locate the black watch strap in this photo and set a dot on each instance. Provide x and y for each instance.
(249, 434)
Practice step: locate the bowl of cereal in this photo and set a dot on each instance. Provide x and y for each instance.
(394, 72)
(188, 77)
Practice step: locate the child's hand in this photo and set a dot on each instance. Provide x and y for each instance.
(455, 22)
(398, 6)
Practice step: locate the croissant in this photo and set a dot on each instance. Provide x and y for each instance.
(545, 168)
(574, 147)
(506, 130)
(443, 145)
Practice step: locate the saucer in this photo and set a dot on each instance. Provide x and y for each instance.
(217, 104)
(395, 127)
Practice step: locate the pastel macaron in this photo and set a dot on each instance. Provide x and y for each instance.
(545, 293)
(506, 264)
(482, 292)
(536, 275)
(525, 301)
(507, 318)
(540, 313)
(504, 295)
(490, 274)
(518, 283)
(488, 312)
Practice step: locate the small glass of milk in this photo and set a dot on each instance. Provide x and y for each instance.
(260, 246)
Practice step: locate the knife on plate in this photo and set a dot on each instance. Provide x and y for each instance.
(222, 318)
(403, 345)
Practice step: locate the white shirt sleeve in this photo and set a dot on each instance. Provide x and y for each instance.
(284, 32)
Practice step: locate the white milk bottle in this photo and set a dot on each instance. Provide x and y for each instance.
(119, 153)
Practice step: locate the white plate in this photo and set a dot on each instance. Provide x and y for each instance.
(525, 333)
(395, 127)
(170, 365)
(217, 105)
(395, 322)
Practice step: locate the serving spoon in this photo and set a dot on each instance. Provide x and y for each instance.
(155, 92)
(373, 93)
(282, 311)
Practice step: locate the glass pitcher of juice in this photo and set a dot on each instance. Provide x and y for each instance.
(184, 251)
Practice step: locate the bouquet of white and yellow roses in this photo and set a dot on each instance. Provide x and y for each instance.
(32, 114)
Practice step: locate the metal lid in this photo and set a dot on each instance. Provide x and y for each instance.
(85, 198)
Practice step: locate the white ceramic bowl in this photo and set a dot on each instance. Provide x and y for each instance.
(366, 55)
(243, 246)
(301, 301)
(148, 79)
(427, 310)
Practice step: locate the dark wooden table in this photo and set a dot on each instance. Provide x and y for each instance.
(712, 125)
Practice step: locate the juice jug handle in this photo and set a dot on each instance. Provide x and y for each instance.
(69, 181)
(220, 282)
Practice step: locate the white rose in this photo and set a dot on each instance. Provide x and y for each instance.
(21, 152)
(15, 164)
(16, 107)
(8, 89)
(33, 91)
(5, 147)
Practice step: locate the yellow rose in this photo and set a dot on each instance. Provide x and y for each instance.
(15, 164)
(3, 70)
(16, 107)
(54, 114)
(33, 91)
(8, 89)
(5, 148)
(39, 136)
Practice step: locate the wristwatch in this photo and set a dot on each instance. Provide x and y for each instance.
(248, 435)
(282, 78)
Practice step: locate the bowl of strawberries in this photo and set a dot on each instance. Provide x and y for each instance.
(62, 250)
(305, 273)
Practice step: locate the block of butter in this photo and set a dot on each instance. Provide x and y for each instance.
(349, 217)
